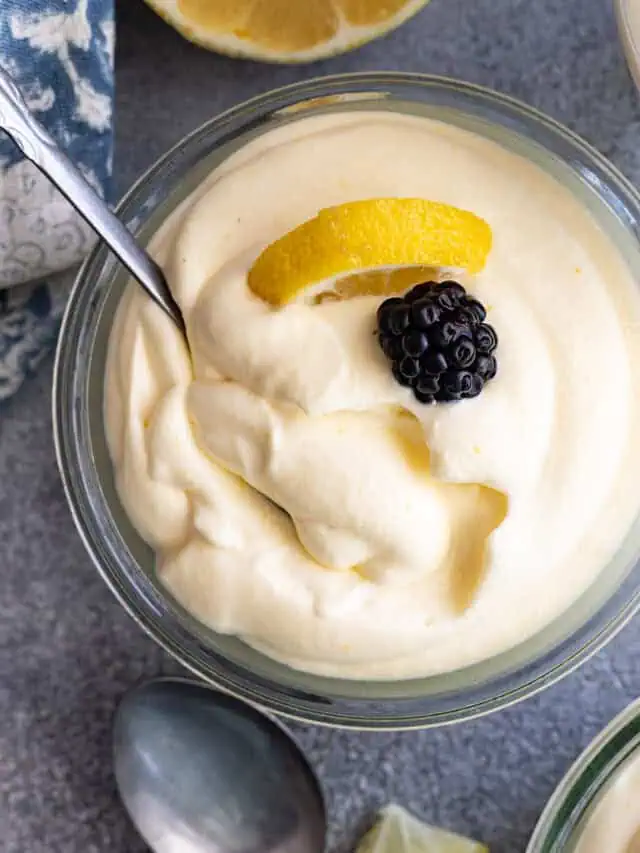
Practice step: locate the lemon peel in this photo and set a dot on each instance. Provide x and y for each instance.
(400, 238)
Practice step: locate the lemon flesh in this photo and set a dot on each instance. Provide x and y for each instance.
(284, 30)
(387, 244)
(397, 831)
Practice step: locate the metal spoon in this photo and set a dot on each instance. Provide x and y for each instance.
(37, 146)
(201, 772)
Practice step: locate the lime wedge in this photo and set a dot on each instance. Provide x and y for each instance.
(397, 831)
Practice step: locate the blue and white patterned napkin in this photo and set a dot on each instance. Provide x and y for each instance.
(60, 52)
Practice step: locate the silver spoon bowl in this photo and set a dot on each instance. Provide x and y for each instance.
(201, 772)
(39, 147)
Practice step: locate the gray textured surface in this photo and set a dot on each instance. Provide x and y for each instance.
(67, 653)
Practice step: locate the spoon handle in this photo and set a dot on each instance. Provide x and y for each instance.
(39, 147)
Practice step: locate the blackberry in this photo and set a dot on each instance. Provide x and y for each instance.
(438, 342)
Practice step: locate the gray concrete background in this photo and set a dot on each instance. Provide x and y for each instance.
(67, 652)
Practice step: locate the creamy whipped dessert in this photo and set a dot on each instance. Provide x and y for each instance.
(629, 25)
(614, 824)
(296, 492)
(632, 14)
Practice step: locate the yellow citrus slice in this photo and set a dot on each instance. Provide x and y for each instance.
(397, 831)
(374, 246)
(380, 282)
(284, 30)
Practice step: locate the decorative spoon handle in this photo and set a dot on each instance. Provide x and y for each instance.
(39, 147)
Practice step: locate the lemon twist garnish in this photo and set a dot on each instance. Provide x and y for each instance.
(364, 237)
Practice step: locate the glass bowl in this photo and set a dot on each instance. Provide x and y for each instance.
(628, 16)
(124, 560)
(566, 815)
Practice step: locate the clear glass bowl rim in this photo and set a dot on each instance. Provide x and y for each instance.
(583, 782)
(85, 297)
(629, 40)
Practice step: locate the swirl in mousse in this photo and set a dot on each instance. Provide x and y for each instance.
(405, 438)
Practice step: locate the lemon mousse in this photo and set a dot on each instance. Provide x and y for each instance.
(614, 822)
(403, 438)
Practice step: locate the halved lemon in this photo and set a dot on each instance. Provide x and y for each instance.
(284, 30)
(397, 831)
(377, 246)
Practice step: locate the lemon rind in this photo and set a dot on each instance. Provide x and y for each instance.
(347, 38)
(293, 268)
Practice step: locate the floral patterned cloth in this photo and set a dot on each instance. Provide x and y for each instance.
(60, 53)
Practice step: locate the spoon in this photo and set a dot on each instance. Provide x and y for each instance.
(202, 772)
(39, 147)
